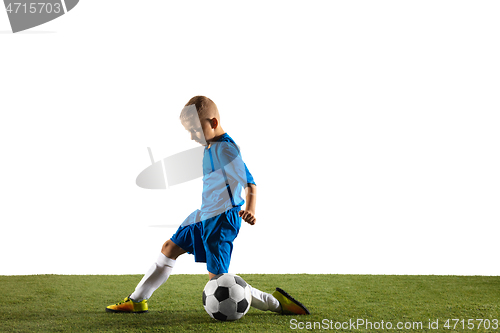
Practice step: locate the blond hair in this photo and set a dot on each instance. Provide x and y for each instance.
(205, 108)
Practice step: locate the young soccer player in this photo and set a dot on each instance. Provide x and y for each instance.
(208, 233)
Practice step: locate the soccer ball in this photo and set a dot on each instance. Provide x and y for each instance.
(227, 297)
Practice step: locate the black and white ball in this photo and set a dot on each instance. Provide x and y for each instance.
(227, 297)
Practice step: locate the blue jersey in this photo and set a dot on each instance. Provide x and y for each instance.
(225, 176)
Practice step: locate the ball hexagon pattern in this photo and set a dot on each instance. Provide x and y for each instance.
(227, 297)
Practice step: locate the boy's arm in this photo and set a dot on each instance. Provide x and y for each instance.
(248, 214)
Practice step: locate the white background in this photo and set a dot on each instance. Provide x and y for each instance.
(371, 128)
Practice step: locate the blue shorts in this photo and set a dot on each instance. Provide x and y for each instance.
(211, 240)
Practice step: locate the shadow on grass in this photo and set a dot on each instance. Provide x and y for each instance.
(171, 320)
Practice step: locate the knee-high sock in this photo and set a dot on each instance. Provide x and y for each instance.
(154, 278)
(264, 301)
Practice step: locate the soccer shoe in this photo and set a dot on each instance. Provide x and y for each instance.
(129, 306)
(289, 305)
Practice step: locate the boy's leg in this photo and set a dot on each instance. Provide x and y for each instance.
(185, 239)
(280, 301)
(154, 278)
(158, 273)
(264, 301)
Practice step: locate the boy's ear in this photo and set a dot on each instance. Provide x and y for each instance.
(214, 122)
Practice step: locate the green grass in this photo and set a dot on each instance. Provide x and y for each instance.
(59, 303)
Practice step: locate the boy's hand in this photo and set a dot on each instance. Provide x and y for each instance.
(248, 216)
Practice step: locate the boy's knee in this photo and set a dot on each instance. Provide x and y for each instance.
(171, 250)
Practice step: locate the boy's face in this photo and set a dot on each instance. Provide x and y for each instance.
(196, 131)
(201, 130)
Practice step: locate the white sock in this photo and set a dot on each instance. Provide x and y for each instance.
(264, 301)
(154, 278)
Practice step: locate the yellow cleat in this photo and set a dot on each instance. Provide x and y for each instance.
(289, 305)
(129, 306)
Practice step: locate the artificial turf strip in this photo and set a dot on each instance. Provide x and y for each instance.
(76, 303)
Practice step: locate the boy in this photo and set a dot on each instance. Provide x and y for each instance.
(208, 233)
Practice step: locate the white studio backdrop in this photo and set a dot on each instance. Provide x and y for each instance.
(371, 128)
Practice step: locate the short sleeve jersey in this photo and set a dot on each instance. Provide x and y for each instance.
(225, 176)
